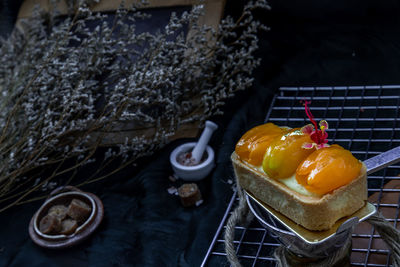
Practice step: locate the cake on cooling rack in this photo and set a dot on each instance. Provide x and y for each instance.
(297, 173)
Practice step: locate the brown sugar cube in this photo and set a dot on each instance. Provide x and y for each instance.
(58, 211)
(79, 210)
(189, 194)
(49, 224)
(68, 226)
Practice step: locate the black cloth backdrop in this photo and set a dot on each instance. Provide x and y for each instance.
(326, 43)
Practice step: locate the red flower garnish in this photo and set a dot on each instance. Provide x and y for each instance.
(318, 136)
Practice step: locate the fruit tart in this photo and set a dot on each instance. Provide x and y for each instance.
(296, 172)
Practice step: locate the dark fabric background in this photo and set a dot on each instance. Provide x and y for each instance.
(345, 42)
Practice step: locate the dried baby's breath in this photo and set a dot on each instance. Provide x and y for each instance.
(66, 83)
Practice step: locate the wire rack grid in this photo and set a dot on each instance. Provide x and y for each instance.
(362, 119)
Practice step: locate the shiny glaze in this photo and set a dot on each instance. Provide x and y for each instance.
(285, 154)
(327, 169)
(281, 154)
(253, 144)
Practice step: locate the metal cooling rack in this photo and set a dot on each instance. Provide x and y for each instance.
(363, 119)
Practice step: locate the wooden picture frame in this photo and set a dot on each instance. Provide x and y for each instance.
(213, 9)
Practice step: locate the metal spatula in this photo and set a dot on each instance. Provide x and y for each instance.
(318, 243)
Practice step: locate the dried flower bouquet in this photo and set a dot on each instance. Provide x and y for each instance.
(65, 83)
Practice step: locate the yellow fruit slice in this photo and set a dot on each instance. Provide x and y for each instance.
(285, 154)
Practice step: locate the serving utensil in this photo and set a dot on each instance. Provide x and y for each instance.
(318, 244)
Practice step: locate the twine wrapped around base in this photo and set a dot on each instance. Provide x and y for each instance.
(242, 215)
(283, 255)
(389, 234)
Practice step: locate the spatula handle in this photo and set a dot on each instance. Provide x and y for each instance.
(383, 160)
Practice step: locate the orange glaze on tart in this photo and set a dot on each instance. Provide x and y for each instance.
(300, 153)
(327, 169)
(253, 144)
(286, 153)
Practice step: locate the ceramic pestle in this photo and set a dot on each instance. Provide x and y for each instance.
(201, 145)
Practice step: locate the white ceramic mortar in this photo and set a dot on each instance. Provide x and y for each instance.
(198, 171)
(192, 173)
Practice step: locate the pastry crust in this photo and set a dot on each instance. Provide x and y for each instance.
(312, 212)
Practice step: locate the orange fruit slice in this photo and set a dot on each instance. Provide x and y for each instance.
(327, 169)
(253, 144)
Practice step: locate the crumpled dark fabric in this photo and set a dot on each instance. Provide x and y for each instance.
(318, 43)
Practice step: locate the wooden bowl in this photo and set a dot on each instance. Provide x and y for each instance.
(63, 196)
